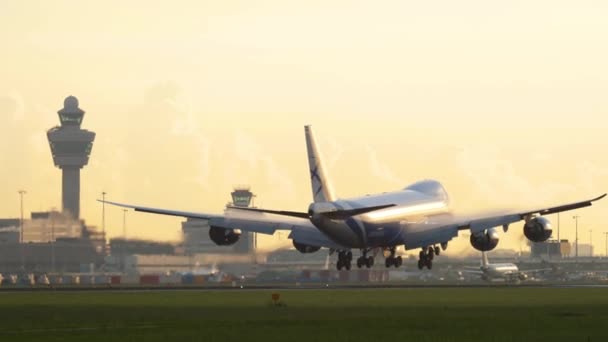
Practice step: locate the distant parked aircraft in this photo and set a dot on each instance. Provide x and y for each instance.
(417, 216)
(504, 271)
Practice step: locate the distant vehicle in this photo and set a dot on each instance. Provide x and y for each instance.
(501, 271)
(417, 216)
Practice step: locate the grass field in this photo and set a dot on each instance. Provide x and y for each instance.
(437, 314)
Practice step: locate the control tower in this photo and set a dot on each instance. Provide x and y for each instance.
(243, 197)
(70, 147)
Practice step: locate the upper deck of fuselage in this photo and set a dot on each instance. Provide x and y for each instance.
(422, 198)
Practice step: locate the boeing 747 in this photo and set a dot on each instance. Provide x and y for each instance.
(417, 216)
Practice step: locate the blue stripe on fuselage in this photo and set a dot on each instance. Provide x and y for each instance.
(353, 225)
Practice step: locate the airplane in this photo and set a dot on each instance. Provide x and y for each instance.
(508, 272)
(417, 216)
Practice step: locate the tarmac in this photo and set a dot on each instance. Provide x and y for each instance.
(283, 287)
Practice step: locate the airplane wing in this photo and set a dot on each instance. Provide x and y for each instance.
(478, 224)
(537, 270)
(187, 214)
(301, 230)
(471, 271)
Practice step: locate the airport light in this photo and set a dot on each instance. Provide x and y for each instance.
(575, 217)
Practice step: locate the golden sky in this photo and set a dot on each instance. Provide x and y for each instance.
(504, 102)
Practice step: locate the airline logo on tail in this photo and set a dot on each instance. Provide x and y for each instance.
(321, 188)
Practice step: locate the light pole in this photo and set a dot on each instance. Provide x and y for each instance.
(53, 240)
(575, 217)
(591, 242)
(21, 193)
(124, 223)
(103, 214)
(558, 240)
(124, 242)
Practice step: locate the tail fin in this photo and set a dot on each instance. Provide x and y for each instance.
(484, 259)
(321, 188)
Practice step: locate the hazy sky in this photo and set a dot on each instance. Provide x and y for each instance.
(505, 102)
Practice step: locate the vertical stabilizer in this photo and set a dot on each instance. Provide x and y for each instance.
(321, 188)
(484, 260)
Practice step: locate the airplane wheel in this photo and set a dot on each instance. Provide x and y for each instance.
(429, 264)
(359, 262)
(349, 256)
(420, 264)
(339, 265)
(347, 265)
(388, 262)
(437, 250)
(431, 255)
(399, 261)
(370, 261)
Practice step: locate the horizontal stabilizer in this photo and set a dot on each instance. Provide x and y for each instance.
(344, 214)
(332, 215)
(275, 212)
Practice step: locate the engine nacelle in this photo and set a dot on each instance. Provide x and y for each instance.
(538, 229)
(486, 240)
(223, 237)
(303, 248)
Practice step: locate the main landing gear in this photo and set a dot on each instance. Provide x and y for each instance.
(345, 259)
(392, 260)
(364, 260)
(427, 254)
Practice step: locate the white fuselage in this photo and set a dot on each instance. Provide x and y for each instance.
(406, 222)
(505, 271)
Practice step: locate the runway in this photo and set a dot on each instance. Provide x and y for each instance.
(285, 287)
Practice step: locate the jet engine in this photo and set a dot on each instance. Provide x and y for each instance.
(538, 229)
(303, 248)
(486, 240)
(223, 237)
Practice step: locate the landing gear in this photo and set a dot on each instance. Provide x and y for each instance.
(345, 259)
(426, 256)
(392, 260)
(364, 260)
